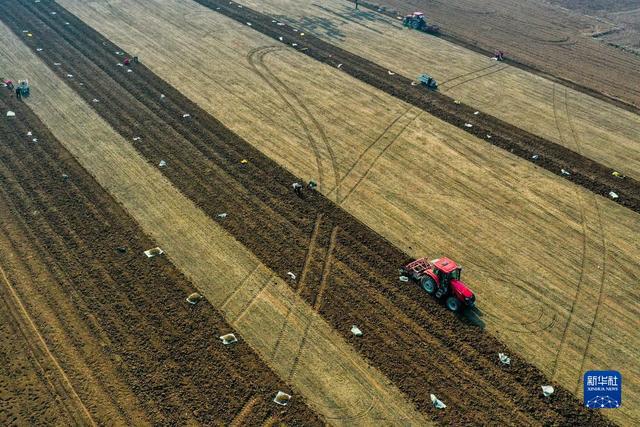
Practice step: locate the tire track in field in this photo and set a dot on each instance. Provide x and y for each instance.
(309, 257)
(474, 348)
(37, 345)
(249, 302)
(301, 282)
(298, 109)
(469, 73)
(391, 136)
(448, 88)
(61, 232)
(602, 242)
(245, 412)
(579, 311)
(370, 146)
(326, 270)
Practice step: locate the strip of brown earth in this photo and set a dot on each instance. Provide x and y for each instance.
(555, 158)
(403, 328)
(446, 35)
(124, 315)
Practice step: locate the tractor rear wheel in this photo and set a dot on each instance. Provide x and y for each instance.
(429, 285)
(453, 304)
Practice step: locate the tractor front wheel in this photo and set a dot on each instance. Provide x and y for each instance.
(453, 304)
(429, 285)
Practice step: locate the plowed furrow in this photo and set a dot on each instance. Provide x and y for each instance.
(360, 281)
(158, 345)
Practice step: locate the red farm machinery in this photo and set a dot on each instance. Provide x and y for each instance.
(441, 278)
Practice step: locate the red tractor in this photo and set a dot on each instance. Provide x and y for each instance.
(441, 277)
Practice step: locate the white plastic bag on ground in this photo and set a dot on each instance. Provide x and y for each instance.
(228, 339)
(282, 398)
(356, 331)
(150, 253)
(11, 114)
(437, 403)
(613, 195)
(504, 359)
(547, 390)
(194, 298)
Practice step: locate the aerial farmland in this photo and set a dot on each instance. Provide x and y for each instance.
(319, 212)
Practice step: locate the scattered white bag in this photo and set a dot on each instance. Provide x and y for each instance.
(437, 403)
(504, 359)
(228, 339)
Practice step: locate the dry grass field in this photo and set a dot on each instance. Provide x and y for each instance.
(580, 122)
(553, 265)
(622, 17)
(547, 37)
(103, 333)
(328, 374)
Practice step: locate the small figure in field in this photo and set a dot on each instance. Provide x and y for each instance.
(297, 188)
(19, 92)
(356, 4)
(9, 84)
(499, 55)
(126, 61)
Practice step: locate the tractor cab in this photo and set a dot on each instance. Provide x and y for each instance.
(428, 81)
(416, 21)
(441, 278)
(23, 85)
(446, 270)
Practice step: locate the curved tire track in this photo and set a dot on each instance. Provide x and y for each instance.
(256, 60)
(580, 300)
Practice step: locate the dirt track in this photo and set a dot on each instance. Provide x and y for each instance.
(117, 323)
(204, 162)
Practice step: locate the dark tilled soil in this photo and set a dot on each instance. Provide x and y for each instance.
(164, 349)
(584, 85)
(541, 38)
(549, 155)
(415, 341)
